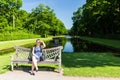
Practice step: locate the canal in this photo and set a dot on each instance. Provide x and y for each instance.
(75, 44)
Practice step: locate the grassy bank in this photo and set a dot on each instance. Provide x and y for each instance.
(107, 42)
(9, 44)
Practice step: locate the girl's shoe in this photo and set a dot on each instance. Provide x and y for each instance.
(36, 70)
(32, 73)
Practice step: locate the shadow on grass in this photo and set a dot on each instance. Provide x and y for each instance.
(41, 68)
(86, 59)
(27, 68)
(7, 67)
(6, 51)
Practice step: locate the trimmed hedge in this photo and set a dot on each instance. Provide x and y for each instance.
(17, 35)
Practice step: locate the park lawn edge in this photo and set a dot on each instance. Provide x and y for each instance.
(107, 42)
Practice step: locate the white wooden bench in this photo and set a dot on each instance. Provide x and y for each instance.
(53, 56)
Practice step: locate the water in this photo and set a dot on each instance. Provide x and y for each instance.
(68, 47)
(71, 44)
(77, 45)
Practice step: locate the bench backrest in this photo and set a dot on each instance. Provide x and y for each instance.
(51, 53)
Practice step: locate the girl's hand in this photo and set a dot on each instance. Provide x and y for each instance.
(42, 42)
(35, 55)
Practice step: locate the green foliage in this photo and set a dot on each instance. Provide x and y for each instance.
(17, 35)
(8, 8)
(19, 24)
(43, 21)
(97, 17)
(3, 23)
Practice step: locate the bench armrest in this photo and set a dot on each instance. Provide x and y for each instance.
(12, 56)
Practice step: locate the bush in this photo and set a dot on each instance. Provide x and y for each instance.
(17, 35)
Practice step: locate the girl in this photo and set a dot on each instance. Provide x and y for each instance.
(36, 54)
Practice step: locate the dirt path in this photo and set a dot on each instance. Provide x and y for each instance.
(45, 75)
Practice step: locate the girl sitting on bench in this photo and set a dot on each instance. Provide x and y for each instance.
(36, 54)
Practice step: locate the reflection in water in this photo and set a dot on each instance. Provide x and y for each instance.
(68, 47)
(68, 37)
(72, 44)
(78, 45)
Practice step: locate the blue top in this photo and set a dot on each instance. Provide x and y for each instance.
(38, 51)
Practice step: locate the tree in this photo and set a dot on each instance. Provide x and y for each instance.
(8, 8)
(3, 23)
(97, 17)
(43, 21)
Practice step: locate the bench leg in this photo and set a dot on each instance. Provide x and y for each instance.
(59, 69)
(12, 66)
(16, 65)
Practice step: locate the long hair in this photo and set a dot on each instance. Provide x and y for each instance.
(38, 40)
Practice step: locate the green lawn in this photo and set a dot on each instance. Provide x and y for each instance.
(87, 64)
(9, 44)
(4, 63)
(107, 42)
(80, 64)
(91, 64)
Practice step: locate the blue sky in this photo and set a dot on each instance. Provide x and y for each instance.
(62, 8)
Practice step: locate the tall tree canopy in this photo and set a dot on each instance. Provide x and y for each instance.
(97, 17)
(42, 20)
(9, 12)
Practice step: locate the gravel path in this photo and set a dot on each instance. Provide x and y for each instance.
(45, 75)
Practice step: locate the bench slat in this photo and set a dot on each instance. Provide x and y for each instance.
(41, 62)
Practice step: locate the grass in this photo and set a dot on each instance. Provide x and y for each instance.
(91, 64)
(87, 64)
(4, 63)
(78, 64)
(107, 42)
(9, 44)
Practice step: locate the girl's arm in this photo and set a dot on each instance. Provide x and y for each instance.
(44, 45)
(33, 51)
